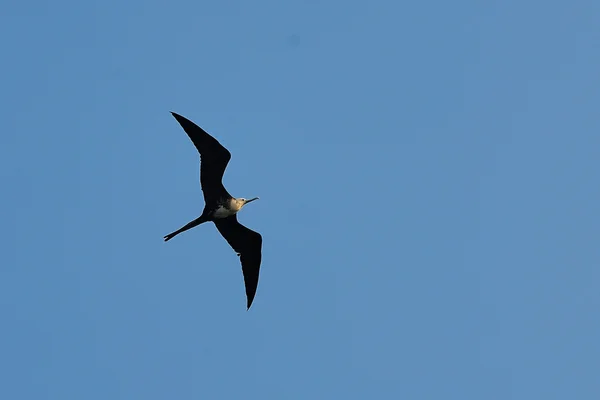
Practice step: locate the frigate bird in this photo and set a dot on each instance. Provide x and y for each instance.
(220, 207)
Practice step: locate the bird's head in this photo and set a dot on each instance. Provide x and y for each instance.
(244, 201)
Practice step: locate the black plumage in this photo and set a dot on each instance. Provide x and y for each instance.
(220, 207)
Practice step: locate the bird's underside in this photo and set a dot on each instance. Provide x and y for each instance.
(221, 208)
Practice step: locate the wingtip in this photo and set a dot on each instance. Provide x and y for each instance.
(177, 116)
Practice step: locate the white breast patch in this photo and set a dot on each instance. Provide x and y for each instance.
(222, 212)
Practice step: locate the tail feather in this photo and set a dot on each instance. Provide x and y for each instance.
(190, 225)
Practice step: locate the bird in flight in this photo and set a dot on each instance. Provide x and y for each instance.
(220, 207)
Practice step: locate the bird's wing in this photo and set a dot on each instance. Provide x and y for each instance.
(214, 158)
(248, 245)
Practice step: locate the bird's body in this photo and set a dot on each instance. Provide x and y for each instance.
(228, 207)
(220, 207)
(225, 210)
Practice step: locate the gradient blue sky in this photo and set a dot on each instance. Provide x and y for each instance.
(429, 184)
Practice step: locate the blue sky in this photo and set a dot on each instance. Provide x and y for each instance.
(428, 175)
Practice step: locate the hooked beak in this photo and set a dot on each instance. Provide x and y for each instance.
(249, 200)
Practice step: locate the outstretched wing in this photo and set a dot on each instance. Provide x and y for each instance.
(248, 245)
(214, 158)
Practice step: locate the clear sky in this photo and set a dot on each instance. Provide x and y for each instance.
(428, 175)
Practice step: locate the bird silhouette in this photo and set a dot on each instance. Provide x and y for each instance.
(220, 207)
